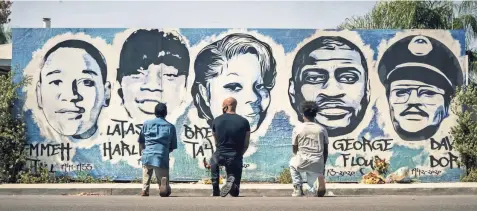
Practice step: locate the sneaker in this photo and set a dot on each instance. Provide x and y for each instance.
(297, 191)
(227, 187)
(144, 193)
(317, 191)
(235, 191)
(215, 191)
(164, 189)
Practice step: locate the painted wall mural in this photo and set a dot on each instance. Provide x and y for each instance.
(384, 93)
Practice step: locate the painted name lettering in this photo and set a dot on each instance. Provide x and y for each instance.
(364, 145)
(123, 128)
(121, 149)
(35, 150)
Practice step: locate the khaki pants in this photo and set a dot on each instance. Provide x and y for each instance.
(147, 175)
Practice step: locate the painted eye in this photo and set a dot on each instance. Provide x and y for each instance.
(259, 86)
(348, 78)
(315, 79)
(315, 76)
(170, 76)
(427, 92)
(88, 83)
(56, 82)
(234, 87)
(402, 92)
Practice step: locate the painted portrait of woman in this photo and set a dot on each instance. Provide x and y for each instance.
(238, 66)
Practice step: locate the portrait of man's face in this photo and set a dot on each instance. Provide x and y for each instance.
(420, 75)
(153, 68)
(416, 105)
(71, 92)
(334, 75)
(239, 66)
(241, 79)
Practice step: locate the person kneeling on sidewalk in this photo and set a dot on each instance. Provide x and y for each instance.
(310, 149)
(156, 140)
(232, 135)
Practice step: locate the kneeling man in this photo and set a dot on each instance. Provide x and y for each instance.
(310, 149)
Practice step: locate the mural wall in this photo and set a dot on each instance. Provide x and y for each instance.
(384, 93)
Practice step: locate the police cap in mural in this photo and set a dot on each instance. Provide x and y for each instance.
(420, 74)
(421, 58)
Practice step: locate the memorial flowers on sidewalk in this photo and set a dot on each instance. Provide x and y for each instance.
(378, 176)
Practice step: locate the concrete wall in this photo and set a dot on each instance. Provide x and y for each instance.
(382, 93)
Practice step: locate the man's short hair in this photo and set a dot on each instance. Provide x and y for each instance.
(302, 57)
(160, 110)
(309, 109)
(80, 44)
(145, 47)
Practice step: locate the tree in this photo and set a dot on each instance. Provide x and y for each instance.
(464, 133)
(403, 15)
(417, 15)
(5, 11)
(12, 128)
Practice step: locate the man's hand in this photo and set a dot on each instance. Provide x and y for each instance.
(295, 149)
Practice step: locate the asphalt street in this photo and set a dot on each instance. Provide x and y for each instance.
(130, 203)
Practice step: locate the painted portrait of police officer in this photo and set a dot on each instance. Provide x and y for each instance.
(420, 75)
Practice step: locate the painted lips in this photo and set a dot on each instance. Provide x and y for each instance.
(146, 101)
(72, 113)
(333, 111)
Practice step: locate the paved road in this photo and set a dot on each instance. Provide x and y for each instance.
(131, 203)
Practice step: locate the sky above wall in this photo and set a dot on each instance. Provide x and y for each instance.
(191, 14)
(187, 14)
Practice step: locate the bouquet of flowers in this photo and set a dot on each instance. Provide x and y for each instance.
(380, 165)
(377, 176)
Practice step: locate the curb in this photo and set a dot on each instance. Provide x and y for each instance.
(246, 190)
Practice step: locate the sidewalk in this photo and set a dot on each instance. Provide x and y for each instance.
(260, 190)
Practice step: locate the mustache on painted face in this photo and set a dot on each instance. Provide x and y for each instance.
(333, 108)
(418, 112)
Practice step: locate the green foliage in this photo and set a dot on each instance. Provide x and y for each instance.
(418, 15)
(471, 176)
(84, 177)
(41, 176)
(464, 133)
(12, 129)
(404, 15)
(5, 11)
(285, 177)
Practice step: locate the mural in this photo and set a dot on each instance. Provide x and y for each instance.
(384, 93)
